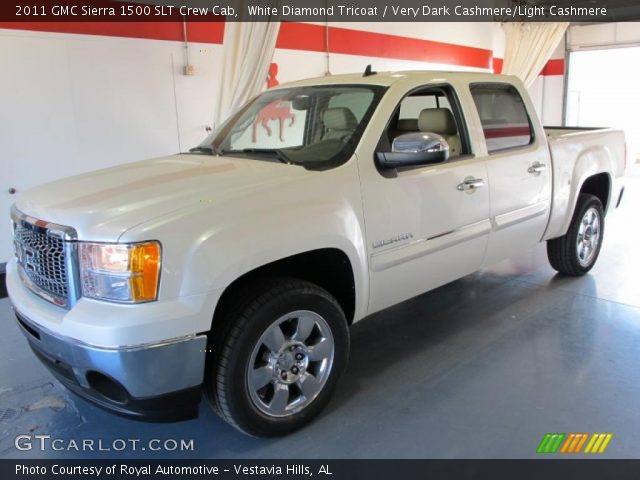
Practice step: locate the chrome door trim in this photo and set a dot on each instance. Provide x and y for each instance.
(424, 246)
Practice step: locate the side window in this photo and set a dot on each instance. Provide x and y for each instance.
(412, 105)
(431, 109)
(504, 117)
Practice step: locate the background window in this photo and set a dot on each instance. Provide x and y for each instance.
(504, 118)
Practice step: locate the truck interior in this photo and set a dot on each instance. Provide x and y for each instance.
(427, 110)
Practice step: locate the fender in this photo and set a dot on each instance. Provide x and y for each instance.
(567, 184)
(245, 251)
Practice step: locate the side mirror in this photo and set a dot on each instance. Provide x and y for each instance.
(301, 102)
(412, 149)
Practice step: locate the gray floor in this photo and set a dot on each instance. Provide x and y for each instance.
(482, 367)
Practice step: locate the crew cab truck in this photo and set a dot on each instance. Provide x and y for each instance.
(237, 268)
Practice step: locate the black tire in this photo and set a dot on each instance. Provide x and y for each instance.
(563, 253)
(249, 314)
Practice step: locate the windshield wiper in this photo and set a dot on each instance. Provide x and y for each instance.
(211, 149)
(203, 148)
(278, 153)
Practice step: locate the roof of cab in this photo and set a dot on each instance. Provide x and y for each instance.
(389, 78)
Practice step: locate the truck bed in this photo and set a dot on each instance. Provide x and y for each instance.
(555, 131)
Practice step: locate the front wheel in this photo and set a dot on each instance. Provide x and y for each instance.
(278, 362)
(576, 252)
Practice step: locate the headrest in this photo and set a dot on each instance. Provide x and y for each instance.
(408, 125)
(437, 120)
(340, 118)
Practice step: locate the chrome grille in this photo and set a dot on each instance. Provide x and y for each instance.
(41, 256)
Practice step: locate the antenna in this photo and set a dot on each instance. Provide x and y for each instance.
(368, 72)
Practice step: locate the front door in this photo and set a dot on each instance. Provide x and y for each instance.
(427, 225)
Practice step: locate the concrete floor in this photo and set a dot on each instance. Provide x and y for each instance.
(482, 367)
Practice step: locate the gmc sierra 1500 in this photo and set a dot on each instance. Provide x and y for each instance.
(238, 267)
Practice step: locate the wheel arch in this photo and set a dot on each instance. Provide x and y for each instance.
(329, 268)
(598, 185)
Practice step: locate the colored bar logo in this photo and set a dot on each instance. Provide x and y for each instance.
(574, 442)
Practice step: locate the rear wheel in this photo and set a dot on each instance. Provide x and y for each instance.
(284, 348)
(576, 252)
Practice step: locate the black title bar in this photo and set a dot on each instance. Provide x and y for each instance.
(320, 10)
(294, 469)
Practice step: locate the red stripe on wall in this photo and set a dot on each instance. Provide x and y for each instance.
(204, 32)
(302, 36)
(554, 66)
(497, 65)
(355, 42)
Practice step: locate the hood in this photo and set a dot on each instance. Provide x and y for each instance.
(102, 205)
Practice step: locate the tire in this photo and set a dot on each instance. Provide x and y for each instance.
(576, 252)
(299, 366)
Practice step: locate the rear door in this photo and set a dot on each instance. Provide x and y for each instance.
(519, 169)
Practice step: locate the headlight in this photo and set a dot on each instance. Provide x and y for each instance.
(128, 273)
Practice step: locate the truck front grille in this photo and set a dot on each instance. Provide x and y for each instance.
(42, 259)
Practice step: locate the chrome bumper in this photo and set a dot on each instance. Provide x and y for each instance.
(156, 382)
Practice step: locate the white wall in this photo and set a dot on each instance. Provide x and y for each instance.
(290, 61)
(296, 64)
(73, 103)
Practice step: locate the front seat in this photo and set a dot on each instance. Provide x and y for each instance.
(339, 123)
(441, 121)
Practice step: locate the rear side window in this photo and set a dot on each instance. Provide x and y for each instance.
(504, 118)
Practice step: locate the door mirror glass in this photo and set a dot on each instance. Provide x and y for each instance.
(414, 149)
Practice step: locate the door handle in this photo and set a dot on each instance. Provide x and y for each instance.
(470, 184)
(537, 168)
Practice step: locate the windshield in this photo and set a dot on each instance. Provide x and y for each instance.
(314, 126)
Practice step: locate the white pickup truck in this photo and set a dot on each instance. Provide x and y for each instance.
(237, 268)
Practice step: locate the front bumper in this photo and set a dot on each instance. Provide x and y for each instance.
(155, 382)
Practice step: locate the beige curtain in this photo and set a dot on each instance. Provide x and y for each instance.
(247, 53)
(529, 47)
